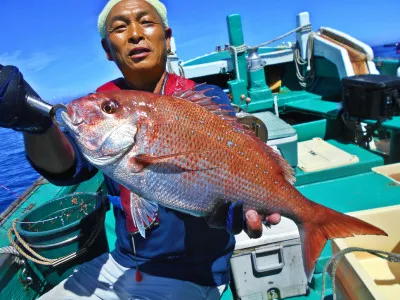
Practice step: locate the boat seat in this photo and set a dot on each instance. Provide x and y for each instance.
(357, 58)
(316, 107)
(350, 55)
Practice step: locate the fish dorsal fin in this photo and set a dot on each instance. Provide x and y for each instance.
(222, 111)
(287, 171)
(199, 97)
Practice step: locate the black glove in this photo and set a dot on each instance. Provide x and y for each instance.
(227, 215)
(14, 112)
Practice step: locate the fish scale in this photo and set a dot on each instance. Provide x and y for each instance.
(188, 154)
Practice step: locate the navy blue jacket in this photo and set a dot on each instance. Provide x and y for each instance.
(182, 246)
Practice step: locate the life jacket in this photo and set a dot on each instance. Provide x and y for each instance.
(172, 83)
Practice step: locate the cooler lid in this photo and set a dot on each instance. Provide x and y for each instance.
(285, 230)
(372, 81)
(277, 128)
(316, 155)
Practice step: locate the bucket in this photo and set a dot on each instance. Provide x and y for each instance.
(65, 226)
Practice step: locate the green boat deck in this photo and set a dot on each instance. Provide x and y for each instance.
(345, 189)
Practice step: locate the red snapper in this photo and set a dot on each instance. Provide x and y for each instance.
(186, 153)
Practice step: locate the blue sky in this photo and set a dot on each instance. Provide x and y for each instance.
(57, 47)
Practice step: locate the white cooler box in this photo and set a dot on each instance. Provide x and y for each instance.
(270, 267)
(281, 135)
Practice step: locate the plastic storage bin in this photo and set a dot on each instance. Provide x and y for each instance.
(362, 275)
(270, 265)
(281, 135)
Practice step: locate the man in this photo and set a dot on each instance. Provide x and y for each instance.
(183, 257)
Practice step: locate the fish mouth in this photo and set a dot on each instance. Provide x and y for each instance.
(75, 121)
(66, 119)
(70, 124)
(55, 112)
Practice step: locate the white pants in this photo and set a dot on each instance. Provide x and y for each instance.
(104, 278)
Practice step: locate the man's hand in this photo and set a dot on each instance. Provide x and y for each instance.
(230, 216)
(14, 112)
(253, 226)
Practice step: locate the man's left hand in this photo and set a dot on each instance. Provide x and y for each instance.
(14, 111)
(230, 216)
(253, 226)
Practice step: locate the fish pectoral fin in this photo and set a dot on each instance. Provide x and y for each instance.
(143, 212)
(149, 160)
(187, 161)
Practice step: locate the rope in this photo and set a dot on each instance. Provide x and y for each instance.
(308, 79)
(243, 48)
(181, 71)
(11, 250)
(276, 105)
(236, 51)
(169, 67)
(40, 259)
(392, 257)
(304, 28)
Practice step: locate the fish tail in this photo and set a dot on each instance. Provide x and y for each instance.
(328, 224)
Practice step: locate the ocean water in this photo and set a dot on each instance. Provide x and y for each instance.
(16, 174)
(386, 52)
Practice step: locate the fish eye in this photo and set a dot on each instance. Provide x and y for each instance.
(109, 106)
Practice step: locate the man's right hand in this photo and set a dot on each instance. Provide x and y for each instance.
(14, 112)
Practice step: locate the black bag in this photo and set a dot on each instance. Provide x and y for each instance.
(370, 96)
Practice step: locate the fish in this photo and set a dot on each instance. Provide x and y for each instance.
(187, 153)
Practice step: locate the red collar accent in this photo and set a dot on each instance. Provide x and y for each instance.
(174, 84)
(114, 85)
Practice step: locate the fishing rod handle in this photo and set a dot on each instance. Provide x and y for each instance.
(43, 107)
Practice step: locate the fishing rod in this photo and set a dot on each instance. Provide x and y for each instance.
(43, 107)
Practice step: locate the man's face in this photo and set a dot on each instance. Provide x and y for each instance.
(136, 39)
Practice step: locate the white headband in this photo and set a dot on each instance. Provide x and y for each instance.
(101, 22)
